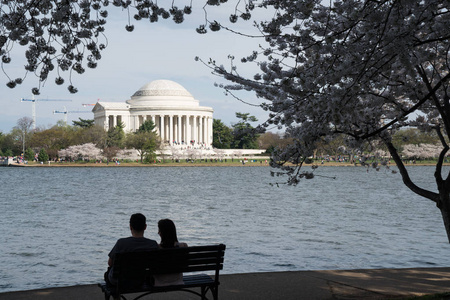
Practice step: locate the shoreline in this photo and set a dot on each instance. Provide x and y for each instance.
(187, 164)
(365, 284)
(138, 165)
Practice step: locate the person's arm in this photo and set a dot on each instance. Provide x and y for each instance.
(110, 262)
(111, 254)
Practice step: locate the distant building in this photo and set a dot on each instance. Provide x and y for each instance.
(178, 117)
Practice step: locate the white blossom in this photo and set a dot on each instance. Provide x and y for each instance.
(86, 151)
(422, 151)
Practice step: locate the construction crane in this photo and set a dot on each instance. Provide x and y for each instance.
(33, 106)
(65, 112)
(90, 104)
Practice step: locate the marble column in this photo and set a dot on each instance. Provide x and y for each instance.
(210, 134)
(154, 122)
(161, 131)
(188, 130)
(194, 126)
(171, 139)
(206, 131)
(179, 129)
(200, 129)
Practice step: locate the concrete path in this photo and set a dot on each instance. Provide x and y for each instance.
(332, 285)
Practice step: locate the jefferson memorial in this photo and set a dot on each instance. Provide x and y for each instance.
(177, 115)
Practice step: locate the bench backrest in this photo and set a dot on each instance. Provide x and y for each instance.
(138, 267)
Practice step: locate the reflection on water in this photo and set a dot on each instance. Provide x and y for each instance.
(58, 224)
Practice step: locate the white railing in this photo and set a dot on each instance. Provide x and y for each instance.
(6, 161)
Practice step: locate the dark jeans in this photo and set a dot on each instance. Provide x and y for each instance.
(106, 277)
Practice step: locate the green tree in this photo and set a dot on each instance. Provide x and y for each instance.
(84, 135)
(43, 156)
(222, 135)
(413, 136)
(144, 142)
(83, 123)
(244, 134)
(9, 152)
(2, 144)
(147, 126)
(53, 139)
(29, 154)
(116, 136)
(13, 141)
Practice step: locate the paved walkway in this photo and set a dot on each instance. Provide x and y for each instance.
(332, 285)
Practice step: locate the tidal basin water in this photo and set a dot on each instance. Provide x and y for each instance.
(58, 224)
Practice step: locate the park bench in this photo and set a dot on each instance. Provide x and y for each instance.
(134, 271)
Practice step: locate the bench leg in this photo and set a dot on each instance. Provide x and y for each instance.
(215, 292)
(204, 290)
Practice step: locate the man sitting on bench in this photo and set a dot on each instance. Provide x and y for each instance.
(136, 242)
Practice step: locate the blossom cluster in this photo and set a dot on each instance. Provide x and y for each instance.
(59, 36)
(422, 151)
(86, 151)
(69, 36)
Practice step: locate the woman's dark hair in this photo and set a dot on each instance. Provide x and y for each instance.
(168, 233)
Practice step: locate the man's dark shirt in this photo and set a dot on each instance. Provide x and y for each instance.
(130, 244)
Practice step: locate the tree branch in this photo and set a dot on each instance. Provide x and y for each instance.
(409, 111)
(405, 176)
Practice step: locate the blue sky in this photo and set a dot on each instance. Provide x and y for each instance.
(162, 50)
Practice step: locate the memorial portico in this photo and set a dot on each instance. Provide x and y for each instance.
(177, 115)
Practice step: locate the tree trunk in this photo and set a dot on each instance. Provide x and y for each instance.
(444, 205)
(446, 218)
(442, 199)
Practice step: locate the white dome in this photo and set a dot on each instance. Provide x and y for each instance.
(162, 88)
(160, 93)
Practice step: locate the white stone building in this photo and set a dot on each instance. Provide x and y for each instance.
(177, 115)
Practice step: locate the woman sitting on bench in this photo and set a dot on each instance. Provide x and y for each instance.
(168, 234)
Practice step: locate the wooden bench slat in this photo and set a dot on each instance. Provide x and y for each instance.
(205, 261)
(201, 268)
(197, 280)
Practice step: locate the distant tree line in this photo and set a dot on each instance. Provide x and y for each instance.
(48, 142)
(413, 143)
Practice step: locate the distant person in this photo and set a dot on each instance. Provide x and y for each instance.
(136, 242)
(168, 234)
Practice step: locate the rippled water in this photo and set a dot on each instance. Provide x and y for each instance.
(58, 224)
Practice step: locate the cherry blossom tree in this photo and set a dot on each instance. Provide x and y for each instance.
(364, 69)
(422, 151)
(177, 153)
(220, 153)
(85, 151)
